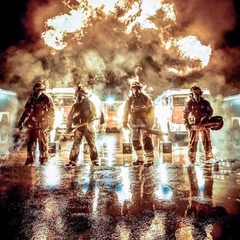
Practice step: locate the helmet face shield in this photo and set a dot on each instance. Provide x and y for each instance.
(136, 88)
(196, 93)
(136, 91)
(39, 86)
(36, 93)
(38, 89)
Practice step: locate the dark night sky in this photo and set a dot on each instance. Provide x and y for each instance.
(11, 19)
(233, 38)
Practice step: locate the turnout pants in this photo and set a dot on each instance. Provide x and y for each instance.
(194, 136)
(41, 136)
(89, 135)
(142, 144)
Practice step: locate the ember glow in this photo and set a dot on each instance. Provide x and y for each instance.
(136, 17)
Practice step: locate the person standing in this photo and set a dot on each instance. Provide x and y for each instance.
(197, 109)
(82, 116)
(139, 116)
(38, 117)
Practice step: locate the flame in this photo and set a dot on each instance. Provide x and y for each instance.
(135, 15)
(191, 48)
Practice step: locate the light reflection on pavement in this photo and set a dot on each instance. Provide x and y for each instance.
(169, 200)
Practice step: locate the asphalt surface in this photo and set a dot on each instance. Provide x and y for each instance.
(169, 200)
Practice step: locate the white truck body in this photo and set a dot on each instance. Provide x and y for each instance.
(169, 107)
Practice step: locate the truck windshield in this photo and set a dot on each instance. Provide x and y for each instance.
(63, 101)
(180, 100)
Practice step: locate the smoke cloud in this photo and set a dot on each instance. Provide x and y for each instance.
(103, 56)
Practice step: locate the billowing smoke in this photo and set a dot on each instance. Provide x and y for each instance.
(118, 37)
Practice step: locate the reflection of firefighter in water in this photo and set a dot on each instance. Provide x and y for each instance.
(15, 198)
(82, 116)
(79, 208)
(196, 109)
(140, 212)
(39, 119)
(207, 220)
(138, 112)
(107, 206)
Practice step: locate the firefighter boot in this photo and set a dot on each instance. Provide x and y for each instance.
(43, 160)
(148, 164)
(149, 157)
(29, 161)
(138, 162)
(139, 153)
(95, 162)
(94, 156)
(208, 157)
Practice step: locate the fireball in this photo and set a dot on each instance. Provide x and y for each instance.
(137, 17)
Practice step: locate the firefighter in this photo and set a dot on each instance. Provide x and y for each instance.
(38, 117)
(197, 109)
(83, 113)
(138, 115)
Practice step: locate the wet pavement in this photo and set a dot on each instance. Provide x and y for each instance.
(169, 200)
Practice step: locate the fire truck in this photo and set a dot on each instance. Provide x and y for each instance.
(8, 111)
(112, 110)
(63, 99)
(169, 107)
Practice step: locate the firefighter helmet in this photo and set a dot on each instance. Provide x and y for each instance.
(39, 86)
(80, 91)
(136, 88)
(136, 85)
(196, 89)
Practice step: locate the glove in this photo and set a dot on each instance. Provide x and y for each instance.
(204, 120)
(20, 125)
(69, 130)
(187, 126)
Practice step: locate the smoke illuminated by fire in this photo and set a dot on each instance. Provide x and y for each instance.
(101, 43)
(134, 16)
